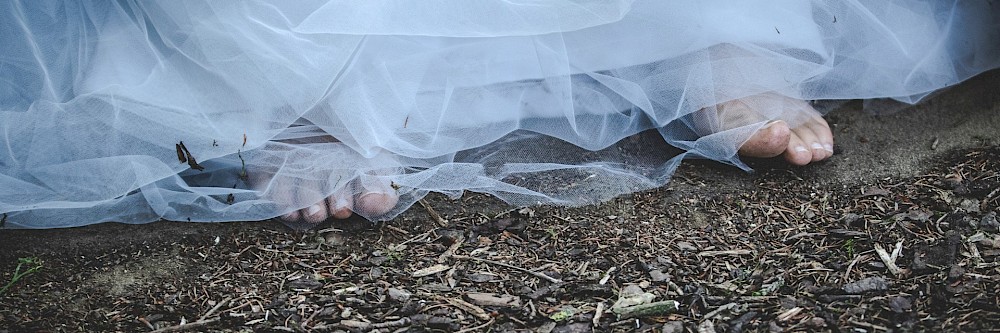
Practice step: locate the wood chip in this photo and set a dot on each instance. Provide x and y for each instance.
(430, 270)
(890, 260)
(597, 314)
(648, 310)
(469, 308)
(789, 314)
(494, 300)
(724, 253)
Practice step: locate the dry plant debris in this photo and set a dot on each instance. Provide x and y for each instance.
(915, 254)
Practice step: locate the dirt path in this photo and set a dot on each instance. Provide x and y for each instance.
(899, 231)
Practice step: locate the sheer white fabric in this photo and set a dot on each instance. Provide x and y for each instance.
(284, 103)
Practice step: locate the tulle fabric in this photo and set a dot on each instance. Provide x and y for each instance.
(284, 103)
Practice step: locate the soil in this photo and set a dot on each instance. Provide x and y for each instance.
(898, 231)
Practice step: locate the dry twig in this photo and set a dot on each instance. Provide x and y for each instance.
(890, 259)
(188, 326)
(494, 262)
(441, 222)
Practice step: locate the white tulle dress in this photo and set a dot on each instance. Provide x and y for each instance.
(533, 101)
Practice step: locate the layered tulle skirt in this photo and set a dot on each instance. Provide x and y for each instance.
(135, 111)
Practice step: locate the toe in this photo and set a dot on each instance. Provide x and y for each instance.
(316, 213)
(341, 203)
(797, 152)
(375, 204)
(824, 136)
(281, 192)
(769, 141)
(292, 216)
(377, 196)
(812, 141)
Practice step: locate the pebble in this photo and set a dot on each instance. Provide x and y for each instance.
(672, 327)
(989, 222)
(900, 304)
(875, 283)
(399, 295)
(659, 276)
(685, 246)
(573, 328)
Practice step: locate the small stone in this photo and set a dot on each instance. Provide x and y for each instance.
(955, 272)
(900, 304)
(399, 295)
(377, 260)
(376, 272)
(573, 328)
(659, 276)
(989, 222)
(673, 327)
(685, 246)
(631, 290)
(969, 205)
(851, 219)
(632, 295)
(876, 283)
(546, 328)
(334, 239)
(706, 327)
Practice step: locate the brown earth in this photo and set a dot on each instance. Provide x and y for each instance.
(897, 232)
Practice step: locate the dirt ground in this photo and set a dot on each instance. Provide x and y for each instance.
(897, 232)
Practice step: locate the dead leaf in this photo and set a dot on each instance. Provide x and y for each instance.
(190, 159)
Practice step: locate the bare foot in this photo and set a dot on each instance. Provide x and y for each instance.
(375, 197)
(323, 195)
(801, 135)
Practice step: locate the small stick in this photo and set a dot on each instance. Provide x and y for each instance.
(469, 308)
(536, 274)
(473, 329)
(188, 326)
(451, 250)
(889, 261)
(869, 325)
(722, 253)
(607, 275)
(395, 323)
(144, 321)
(598, 313)
(646, 310)
(215, 308)
(850, 267)
(433, 213)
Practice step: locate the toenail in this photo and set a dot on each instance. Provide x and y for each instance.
(801, 149)
(312, 210)
(828, 147)
(817, 146)
(340, 203)
(367, 194)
